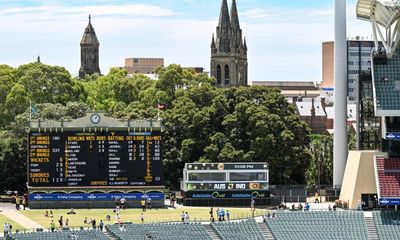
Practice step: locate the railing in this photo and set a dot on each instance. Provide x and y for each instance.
(300, 193)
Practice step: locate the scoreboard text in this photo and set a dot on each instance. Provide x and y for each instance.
(118, 158)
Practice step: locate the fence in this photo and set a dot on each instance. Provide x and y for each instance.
(300, 193)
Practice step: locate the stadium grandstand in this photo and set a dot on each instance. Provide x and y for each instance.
(60, 235)
(192, 231)
(359, 189)
(319, 225)
(281, 225)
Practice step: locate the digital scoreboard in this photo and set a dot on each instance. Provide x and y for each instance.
(96, 159)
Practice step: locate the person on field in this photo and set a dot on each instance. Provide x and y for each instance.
(253, 203)
(17, 202)
(307, 207)
(101, 225)
(122, 201)
(143, 204)
(316, 197)
(60, 222)
(94, 224)
(183, 216)
(6, 229)
(25, 200)
(24, 203)
(186, 218)
(52, 226)
(148, 201)
(71, 211)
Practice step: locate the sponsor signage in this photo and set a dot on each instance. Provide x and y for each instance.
(94, 196)
(389, 201)
(226, 194)
(226, 166)
(393, 136)
(227, 186)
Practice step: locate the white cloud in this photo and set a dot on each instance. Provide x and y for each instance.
(283, 44)
(51, 12)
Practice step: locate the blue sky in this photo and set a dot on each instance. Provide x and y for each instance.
(284, 37)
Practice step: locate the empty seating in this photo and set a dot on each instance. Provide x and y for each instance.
(385, 225)
(247, 229)
(176, 231)
(61, 235)
(319, 225)
(387, 84)
(388, 177)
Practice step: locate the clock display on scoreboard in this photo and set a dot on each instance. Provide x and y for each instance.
(118, 158)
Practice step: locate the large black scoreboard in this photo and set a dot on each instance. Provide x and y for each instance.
(97, 159)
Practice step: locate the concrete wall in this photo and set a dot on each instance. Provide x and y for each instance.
(359, 177)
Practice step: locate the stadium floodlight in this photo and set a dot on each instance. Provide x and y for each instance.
(384, 16)
(340, 106)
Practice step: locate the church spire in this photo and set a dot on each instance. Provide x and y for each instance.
(228, 49)
(224, 20)
(223, 29)
(213, 46)
(89, 37)
(234, 16)
(89, 51)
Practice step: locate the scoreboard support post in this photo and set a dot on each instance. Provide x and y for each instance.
(93, 161)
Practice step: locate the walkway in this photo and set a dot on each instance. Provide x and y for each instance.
(20, 219)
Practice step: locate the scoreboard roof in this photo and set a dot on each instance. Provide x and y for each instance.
(95, 122)
(227, 166)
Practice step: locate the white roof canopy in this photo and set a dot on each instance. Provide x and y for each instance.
(384, 16)
(385, 12)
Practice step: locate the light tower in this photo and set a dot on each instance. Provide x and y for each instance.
(340, 73)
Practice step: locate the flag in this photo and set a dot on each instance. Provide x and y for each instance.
(161, 106)
(34, 110)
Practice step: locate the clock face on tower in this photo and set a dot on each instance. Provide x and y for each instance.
(95, 118)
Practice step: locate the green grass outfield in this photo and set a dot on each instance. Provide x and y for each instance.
(15, 226)
(133, 215)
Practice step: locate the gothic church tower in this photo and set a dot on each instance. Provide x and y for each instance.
(89, 52)
(229, 50)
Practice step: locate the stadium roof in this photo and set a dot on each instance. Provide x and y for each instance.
(383, 11)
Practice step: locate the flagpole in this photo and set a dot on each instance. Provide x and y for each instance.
(30, 110)
(158, 111)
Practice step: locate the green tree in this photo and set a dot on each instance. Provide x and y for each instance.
(257, 124)
(319, 171)
(49, 84)
(12, 161)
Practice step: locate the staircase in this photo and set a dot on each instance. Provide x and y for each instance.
(369, 221)
(213, 235)
(109, 235)
(266, 231)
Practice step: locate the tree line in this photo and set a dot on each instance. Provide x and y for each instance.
(202, 123)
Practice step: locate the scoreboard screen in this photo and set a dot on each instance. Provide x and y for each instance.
(114, 158)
